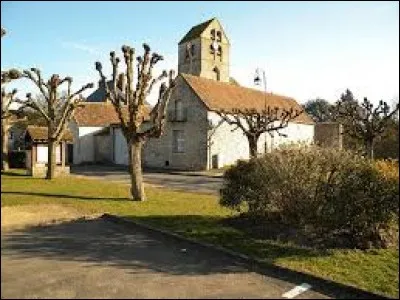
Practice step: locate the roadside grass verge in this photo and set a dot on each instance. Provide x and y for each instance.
(200, 217)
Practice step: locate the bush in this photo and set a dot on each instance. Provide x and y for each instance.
(329, 192)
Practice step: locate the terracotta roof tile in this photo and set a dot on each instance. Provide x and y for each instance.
(99, 114)
(38, 133)
(218, 95)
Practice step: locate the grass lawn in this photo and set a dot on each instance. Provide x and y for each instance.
(199, 216)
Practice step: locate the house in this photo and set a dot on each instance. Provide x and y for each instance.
(36, 141)
(195, 138)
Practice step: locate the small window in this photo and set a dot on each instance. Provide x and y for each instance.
(192, 50)
(219, 53)
(179, 141)
(178, 110)
(11, 135)
(211, 49)
(216, 74)
(219, 36)
(213, 34)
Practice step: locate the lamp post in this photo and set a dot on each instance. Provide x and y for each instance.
(257, 81)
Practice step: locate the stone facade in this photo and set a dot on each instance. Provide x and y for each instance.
(160, 153)
(206, 62)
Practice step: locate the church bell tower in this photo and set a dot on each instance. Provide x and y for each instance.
(204, 52)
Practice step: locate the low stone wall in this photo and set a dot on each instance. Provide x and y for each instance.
(39, 170)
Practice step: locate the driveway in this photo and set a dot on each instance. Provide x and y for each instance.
(188, 182)
(95, 258)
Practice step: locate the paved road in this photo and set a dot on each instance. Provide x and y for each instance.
(198, 184)
(95, 258)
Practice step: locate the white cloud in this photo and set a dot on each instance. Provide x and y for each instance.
(81, 46)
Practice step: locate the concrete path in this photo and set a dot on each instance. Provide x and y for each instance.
(95, 258)
(191, 182)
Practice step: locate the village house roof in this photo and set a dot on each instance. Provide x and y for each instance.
(195, 31)
(218, 95)
(99, 114)
(40, 134)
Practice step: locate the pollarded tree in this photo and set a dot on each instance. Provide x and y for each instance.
(254, 122)
(7, 119)
(7, 100)
(57, 111)
(364, 121)
(130, 98)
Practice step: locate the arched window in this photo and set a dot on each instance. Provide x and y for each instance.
(219, 36)
(216, 74)
(213, 34)
(219, 52)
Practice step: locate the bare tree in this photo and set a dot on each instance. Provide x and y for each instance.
(126, 97)
(364, 122)
(254, 122)
(57, 111)
(6, 116)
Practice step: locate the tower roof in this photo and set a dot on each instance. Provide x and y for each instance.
(195, 31)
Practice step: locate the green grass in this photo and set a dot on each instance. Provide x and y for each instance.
(199, 217)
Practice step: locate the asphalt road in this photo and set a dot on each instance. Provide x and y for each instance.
(190, 183)
(96, 258)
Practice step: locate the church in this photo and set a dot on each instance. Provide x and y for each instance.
(195, 137)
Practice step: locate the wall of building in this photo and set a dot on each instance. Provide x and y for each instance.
(225, 146)
(84, 143)
(159, 153)
(120, 147)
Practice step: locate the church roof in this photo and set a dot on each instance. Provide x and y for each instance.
(195, 31)
(218, 95)
(99, 114)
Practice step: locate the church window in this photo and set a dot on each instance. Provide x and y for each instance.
(219, 52)
(216, 74)
(219, 36)
(213, 34)
(178, 141)
(178, 110)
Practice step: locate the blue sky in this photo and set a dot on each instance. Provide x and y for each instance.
(308, 49)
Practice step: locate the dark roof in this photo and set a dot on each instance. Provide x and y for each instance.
(38, 133)
(195, 31)
(217, 95)
(99, 95)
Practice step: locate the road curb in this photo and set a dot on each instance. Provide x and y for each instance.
(322, 285)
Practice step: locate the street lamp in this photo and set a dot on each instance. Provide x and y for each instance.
(257, 81)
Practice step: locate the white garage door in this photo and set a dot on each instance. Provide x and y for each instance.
(41, 156)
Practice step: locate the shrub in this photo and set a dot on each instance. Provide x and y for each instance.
(333, 193)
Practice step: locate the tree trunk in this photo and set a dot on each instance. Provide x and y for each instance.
(253, 145)
(51, 159)
(369, 147)
(135, 170)
(4, 146)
